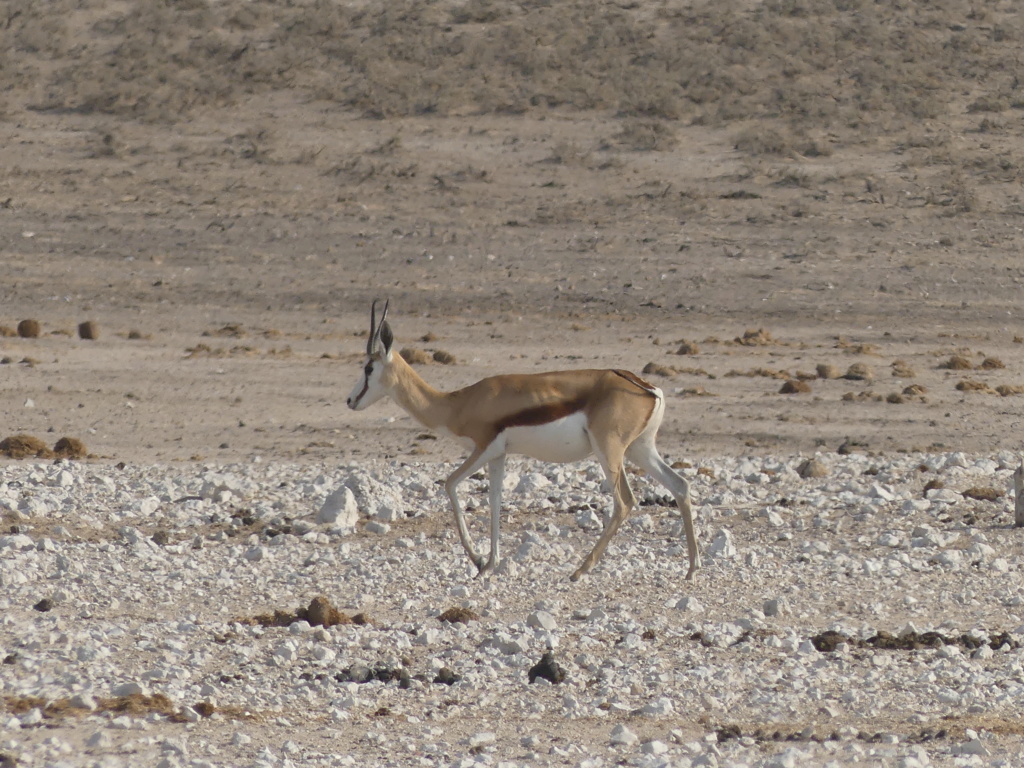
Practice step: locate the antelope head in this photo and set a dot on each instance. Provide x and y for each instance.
(371, 386)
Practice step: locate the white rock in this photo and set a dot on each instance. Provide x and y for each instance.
(83, 701)
(777, 606)
(129, 689)
(532, 483)
(658, 708)
(972, 747)
(375, 526)
(482, 739)
(99, 739)
(340, 509)
(541, 620)
(622, 736)
(33, 717)
(721, 545)
(654, 748)
(690, 605)
(589, 520)
(18, 541)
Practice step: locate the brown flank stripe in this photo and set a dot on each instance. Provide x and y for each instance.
(541, 414)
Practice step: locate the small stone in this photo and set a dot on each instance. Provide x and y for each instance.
(33, 717)
(447, 676)
(972, 747)
(100, 739)
(83, 701)
(654, 747)
(778, 606)
(541, 620)
(689, 605)
(812, 468)
(483, 739)
(660, 707)
(375, 526)
(721, 545)
(44, 605)
(622, 736)
(128, 689)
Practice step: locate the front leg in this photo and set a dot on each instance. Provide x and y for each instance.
(479, 457)
(469, 466)
(495, 480)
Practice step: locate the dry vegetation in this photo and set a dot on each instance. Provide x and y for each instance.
(809, 65)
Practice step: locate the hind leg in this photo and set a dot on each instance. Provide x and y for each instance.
(624, 501)
(644, 454)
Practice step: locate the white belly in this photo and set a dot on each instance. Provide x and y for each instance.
(557, 441)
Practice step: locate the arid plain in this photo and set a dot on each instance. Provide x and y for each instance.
(802, 219)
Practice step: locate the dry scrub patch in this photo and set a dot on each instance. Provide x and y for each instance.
(25, 447)
(459, 615)
(31, 447)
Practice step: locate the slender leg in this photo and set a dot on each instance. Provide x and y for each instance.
(496, 477)
(476, 460)
(624, 502)
(646, 456)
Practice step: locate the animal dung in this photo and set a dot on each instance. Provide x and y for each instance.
(29, 329)
(88, 330)
(795, 387)
(548, 669)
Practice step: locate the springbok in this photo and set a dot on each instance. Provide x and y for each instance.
(558, 417)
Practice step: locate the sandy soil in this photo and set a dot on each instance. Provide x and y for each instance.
(247, 285)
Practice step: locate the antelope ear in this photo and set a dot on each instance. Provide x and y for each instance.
(386, 338)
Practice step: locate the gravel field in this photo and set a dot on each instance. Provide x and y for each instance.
(866, 614)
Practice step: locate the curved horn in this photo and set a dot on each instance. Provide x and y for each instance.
(373, 327)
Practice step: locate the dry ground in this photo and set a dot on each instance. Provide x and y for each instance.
(224, 187)
(232, 183)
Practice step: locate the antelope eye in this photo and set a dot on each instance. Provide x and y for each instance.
(368, 369)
